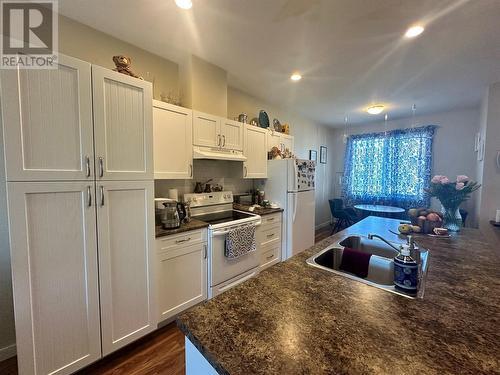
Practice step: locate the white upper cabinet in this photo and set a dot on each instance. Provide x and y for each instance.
(123, 126)
(232, 134)
(280, 140)
(47, 121)
(55, 276)
(255, 149)
(172, 137)
(125, 222)
(206, 130)
(214, 131)
(287, 141)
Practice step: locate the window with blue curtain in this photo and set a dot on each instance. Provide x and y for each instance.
(391, 168)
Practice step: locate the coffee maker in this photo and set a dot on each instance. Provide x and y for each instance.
(173, 214)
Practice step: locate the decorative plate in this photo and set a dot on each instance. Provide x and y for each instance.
(263, 119)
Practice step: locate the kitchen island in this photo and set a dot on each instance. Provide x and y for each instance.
(297, 319)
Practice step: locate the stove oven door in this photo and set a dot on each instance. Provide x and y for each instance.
(222, 268)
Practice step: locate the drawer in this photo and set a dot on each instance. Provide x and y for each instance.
(181, 239)
(271, 219)
(268, 235)
(269, 256)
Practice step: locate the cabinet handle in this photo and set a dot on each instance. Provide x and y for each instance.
(102, 195)
(270, 256)
(271, 219)
(270, 235)
(218, 140)
(89, 196)
(190, 170)
(205, 252)
(183, 240)
(246, 170)
(101, 166)
(87, 165)
(224, 141)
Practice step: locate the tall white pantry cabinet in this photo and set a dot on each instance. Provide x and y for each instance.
(79, 167)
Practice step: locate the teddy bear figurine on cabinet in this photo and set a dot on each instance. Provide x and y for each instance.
(123, 66)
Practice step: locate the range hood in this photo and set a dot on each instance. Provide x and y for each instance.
(217, 154)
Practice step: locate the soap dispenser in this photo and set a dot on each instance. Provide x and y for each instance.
(405, 271)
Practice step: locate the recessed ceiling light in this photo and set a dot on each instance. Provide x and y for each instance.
(295, 77)
(375, 109)
(184, 4)
(414, 31)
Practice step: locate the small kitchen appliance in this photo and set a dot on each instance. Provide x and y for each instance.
(173, 214)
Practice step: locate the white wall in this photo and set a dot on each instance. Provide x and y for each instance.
(453, 147)
(488, 173)
(308, 135)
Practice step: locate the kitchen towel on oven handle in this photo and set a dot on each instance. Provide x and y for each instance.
(240, 241)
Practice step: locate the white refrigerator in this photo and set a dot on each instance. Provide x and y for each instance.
(291, 184)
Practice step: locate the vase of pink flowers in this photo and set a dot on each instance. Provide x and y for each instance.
(452, 194)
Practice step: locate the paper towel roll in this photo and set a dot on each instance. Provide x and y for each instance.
(173, 194)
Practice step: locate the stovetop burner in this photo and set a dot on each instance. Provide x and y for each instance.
(223, 216)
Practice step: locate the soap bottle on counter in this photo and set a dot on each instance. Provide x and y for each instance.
(405, 271)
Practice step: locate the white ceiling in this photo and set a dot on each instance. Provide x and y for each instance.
(350, 52)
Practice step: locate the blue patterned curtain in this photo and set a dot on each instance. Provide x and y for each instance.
(390, 168)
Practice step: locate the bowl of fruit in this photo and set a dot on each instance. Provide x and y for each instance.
(426, 219)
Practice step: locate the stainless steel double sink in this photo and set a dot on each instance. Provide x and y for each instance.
(381, 266)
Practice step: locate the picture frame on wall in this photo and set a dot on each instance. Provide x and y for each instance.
(323, 154)
(313, 155)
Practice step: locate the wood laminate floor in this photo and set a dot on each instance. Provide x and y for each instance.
(160, 353)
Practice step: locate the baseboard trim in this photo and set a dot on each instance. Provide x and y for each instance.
(7, 352)
(322, 225)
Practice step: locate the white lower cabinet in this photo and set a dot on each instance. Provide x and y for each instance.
(78, 285)
(181, 272)
(55, 275)
(125, 222)
(269, 239)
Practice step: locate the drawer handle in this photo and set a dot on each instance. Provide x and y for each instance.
(270, 256)
(271, 219)
(270, 235)
(183, 240)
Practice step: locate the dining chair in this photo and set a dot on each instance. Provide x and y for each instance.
(346, 216)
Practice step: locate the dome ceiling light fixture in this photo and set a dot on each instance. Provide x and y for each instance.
(184, 4)
(414, 31)
(375, 109)
(296, 77)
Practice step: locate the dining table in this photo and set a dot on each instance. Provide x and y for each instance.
(379, 210)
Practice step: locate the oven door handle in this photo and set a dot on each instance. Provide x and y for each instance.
(224, 232)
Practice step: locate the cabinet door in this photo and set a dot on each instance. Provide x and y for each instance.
(287, 141)
(256, 152)
(274, 140)
(125, 222)
(182, 279)
(173, 141)
(232, 134)
(206, 130)
(47, 122)
(123, 126)
(54, 270)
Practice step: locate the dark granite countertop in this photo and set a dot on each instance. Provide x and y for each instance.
(258, 211)
(296, 319)
(192, 225)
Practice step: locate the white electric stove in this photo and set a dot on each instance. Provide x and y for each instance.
(216, 208)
